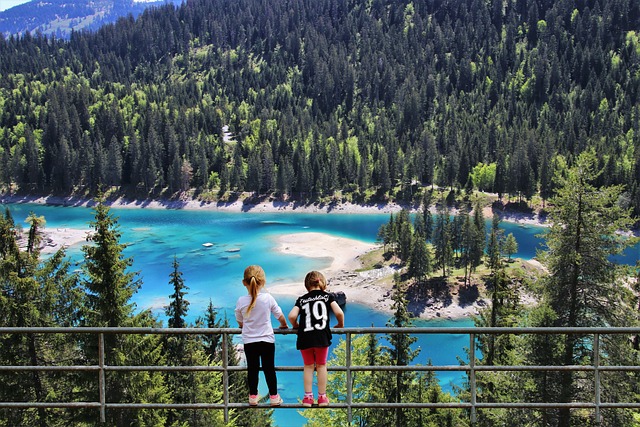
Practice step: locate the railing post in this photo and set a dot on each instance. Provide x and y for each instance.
(472, 376)
(596, 365)
(101, 381)
(349, 378)
(225, 376)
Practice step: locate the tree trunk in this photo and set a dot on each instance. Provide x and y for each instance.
(37, 382)
(566, 384)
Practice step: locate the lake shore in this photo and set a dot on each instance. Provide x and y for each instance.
(368, 287)
(272, 206)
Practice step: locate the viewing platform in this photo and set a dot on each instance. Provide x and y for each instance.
(471, 367)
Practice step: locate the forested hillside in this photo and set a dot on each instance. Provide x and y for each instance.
(326, 98)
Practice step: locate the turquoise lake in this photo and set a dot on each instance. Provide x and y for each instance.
(214, 273)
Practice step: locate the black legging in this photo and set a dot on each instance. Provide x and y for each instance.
(267, 352)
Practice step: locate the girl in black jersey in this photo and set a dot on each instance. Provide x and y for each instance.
(314, 333)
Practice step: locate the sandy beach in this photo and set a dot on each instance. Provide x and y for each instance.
(360, 287)
(368, 287)
(56, 238)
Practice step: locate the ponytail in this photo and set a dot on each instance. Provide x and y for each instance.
(253, 291)
(254, 279)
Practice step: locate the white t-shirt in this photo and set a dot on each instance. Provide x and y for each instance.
(257, 326)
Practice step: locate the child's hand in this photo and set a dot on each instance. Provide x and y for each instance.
(285, 326)
(339, 325)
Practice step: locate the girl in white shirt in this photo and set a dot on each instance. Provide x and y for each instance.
(253, 313)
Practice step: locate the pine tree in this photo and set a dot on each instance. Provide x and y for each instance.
(404, 235)
(442, 239)
(510, 246)
(110, 287)
(467, 245)
(494, 245)
(584, 286)
(479, 237)
(211, 342)
(505, 311)
(399, 352)
(36, 293)
(426, 388)
(187, 350)
(420, 262)
(179, 306)
(426, 215)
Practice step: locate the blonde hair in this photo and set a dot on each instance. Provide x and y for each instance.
(254, 279)
(313, 279)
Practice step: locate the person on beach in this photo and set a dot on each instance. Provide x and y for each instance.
(253, 313)
(314, 333)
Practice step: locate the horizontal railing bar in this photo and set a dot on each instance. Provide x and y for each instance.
(49, 368)
(368, 330)
(354, 405)
(405, 368)
(20, 405)
(556, 368)
(462, 368)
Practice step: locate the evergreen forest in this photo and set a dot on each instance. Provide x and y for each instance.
(327, 98)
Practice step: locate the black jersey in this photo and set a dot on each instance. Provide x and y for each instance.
(313, 320)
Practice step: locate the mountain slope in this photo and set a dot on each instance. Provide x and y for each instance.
(327, 98)
(61, 17)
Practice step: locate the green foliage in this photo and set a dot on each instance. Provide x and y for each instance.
(381, 103)
(420, 262)
(36, 293)
(442, 239)
(188, 350)
(399, 353)
(178, 307)
(494, 245)
(585, 288)
(110, 286)
(483, 176)
(369, 386)
(107, 303)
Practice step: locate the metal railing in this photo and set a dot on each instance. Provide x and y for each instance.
(471, 368)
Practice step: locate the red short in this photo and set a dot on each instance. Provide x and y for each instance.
(315, 355)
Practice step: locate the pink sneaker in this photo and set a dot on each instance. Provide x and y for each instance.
(323, 400)
(253, 399)
(307, 402)
(275, 400)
